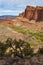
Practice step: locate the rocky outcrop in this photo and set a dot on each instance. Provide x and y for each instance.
(39, 13)
(29, 12)
(22, 14)
(33, 13)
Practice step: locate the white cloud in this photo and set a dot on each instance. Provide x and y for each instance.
(16, 6)
(9, 12)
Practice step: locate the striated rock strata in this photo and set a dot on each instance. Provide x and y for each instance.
(33, 13)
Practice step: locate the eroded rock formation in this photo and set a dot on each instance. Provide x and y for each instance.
(29, 12)
(33, 13)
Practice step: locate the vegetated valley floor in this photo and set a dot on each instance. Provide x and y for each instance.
(22, 28)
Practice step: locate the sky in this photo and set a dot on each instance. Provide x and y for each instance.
(14, 7)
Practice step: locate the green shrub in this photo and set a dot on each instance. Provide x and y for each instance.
(40, 51)
(27, 50)
(2, 49)
(24, 47)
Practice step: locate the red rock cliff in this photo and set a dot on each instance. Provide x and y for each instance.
(29, 12)
(33, 13)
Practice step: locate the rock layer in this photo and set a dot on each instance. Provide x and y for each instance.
(33, 13)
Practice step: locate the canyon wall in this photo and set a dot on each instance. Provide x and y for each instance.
(29, 12)
(33, 13)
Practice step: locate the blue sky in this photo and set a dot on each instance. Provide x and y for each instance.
(14, 7)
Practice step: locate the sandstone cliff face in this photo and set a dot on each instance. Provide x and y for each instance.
(33, 13)
(39, 11)
(29, 12)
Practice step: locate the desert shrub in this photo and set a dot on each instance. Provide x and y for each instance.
(40, 51)
(24, 48)
(4, 46)
(2, 49)
(9, 42)
(27, 50)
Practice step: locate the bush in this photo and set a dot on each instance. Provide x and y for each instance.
(24, 47)
(27, 50)
(2, 49)
(40, 51)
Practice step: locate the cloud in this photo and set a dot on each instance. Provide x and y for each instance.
(9, 12)
(11, 4)
(17, 5)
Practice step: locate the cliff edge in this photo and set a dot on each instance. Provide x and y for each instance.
(33, 13)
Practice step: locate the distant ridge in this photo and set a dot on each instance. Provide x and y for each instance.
(3, 16)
